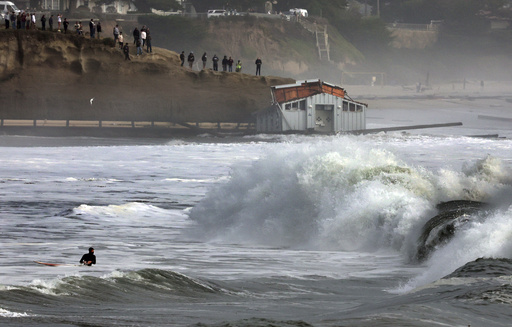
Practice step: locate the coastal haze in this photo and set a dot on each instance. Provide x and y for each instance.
(259, 230)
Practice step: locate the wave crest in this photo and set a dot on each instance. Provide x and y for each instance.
(12, 314)
(117, 285)
(337, 194)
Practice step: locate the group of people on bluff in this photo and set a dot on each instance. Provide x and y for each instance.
(141, 39)
(227, 63)
(26, 21)
(93, 28)
(20, 21)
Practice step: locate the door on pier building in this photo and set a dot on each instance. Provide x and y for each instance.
(324, 118)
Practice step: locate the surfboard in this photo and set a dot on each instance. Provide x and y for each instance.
(55, 264)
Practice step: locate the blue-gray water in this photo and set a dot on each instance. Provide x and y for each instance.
(262, 231)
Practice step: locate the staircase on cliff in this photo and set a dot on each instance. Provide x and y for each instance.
(322, 38)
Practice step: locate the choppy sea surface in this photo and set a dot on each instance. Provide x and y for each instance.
(254, 231)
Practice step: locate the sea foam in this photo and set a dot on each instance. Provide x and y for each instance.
(341, 193)
(11, 314)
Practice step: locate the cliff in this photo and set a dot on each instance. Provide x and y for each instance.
(46, 75)
(286, 48)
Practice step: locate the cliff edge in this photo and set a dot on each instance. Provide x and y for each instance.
(45, 75)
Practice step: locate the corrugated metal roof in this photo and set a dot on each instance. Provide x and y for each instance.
(304, 89)
(296, 83)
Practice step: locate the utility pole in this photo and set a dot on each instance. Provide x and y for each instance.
(378, 8)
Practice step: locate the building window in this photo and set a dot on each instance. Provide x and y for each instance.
(296, 105)
(324, 107)
(352, 107)
(345, 106)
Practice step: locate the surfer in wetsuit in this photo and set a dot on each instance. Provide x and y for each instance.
(89, 259)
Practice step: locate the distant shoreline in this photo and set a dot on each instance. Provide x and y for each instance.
(494, 94)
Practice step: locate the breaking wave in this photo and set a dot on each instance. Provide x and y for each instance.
(128, 214)
(121, 286)
(349, 195)
(12, 314)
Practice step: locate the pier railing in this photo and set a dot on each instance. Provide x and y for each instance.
(118, 127)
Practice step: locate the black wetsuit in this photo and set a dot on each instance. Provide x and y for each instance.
(88, 257)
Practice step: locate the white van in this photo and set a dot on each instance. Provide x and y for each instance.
(7, 7)
(299, 12)
(216, 13)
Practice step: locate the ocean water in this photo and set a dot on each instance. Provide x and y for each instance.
(254, 231)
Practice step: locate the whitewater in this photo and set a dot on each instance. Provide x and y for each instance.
(254, 231)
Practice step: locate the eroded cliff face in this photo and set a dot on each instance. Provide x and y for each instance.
(243, 42)
(46, 75)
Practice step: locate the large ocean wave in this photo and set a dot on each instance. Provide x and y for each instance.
(349, 195)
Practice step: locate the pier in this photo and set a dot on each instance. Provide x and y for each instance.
(107, 128)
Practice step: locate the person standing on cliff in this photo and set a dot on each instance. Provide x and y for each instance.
(239, 66)
(50, 23)
(92, 28)
(149, 48)
(22, 20)
(230, 64)
(66, 24)
(116, 34)
(182, 58)
(120, 39)
(191, 59)
(258, 66)
(215, 60)
(139, 48)
(136, 35)
(143, 36)
(98, 28)
(7, 20)
(43, 23)
(126, 51)
(224, 63)
(12, 18)
(33, 21)
(204, 58)
(59, 20)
